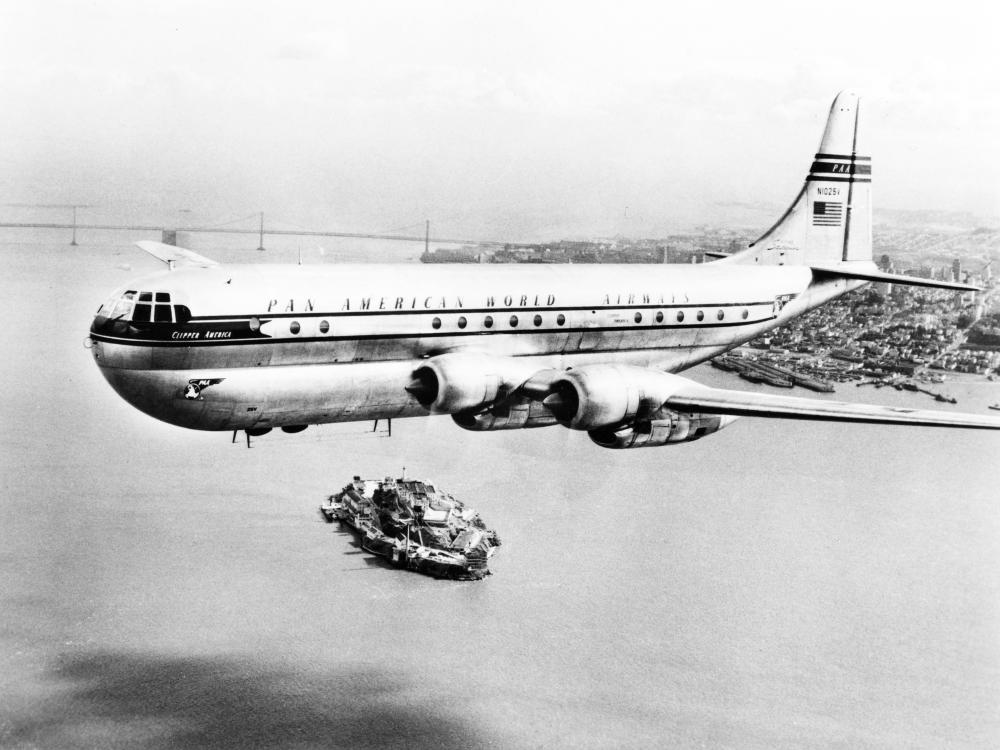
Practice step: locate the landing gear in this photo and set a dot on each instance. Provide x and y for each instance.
(252, 432)
(248, 438)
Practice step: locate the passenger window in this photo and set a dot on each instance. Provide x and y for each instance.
(659, 316)
(488, 321)
(462, 322)
(700, 315)
(142, 313)
(436, 323)
(324, 326)
(560, 319)
(254, 322)
(538, 320)
(680, 316)
(638, 317)
(294, 326)
(513, 321)
(721, 314)
(746, 313)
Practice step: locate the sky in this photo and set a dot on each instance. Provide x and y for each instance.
(515, 120)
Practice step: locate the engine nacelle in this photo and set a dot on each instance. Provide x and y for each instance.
(668, 427)
(457, 382)
(597, 396)
(518, 415)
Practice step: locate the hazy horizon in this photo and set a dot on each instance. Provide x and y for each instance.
(517, 122)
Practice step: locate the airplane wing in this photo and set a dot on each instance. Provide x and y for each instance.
(749, 404)
(599, 396)
(170, 254)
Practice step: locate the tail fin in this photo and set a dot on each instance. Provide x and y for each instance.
(830, 220)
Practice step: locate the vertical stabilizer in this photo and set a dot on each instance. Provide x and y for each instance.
(830, 220)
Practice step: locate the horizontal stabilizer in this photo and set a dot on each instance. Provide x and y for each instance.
(872, 274)
(170, 254)
(701, 398)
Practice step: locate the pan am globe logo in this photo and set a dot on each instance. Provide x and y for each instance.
(193, 390)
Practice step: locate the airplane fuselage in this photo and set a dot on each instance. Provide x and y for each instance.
(252, 347)
(594, 348)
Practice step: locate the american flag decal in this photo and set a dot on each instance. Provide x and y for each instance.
(827, 214)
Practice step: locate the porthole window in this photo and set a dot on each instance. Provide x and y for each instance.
(436, 323)
(488, 321)
(294, 326)
(700, 315)
(560, 319)
(254, 322)
(638, 317)
(680, 316)
(746, 313)
(513, 321)
(659, 316)
(720, 315)
(462, 322)
(324, 326)
(537, 320)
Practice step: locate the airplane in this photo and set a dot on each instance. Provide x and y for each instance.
(591, 347)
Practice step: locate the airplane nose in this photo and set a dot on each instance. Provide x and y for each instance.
(102, 323)
(109, 344)
(95, 346)
(98, 324)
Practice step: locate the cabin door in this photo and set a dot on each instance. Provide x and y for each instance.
(590, 336)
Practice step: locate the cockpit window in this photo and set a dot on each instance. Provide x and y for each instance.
(123, 307)
(147, 312)
(139, 307)
(142, 313)
(108, 306)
